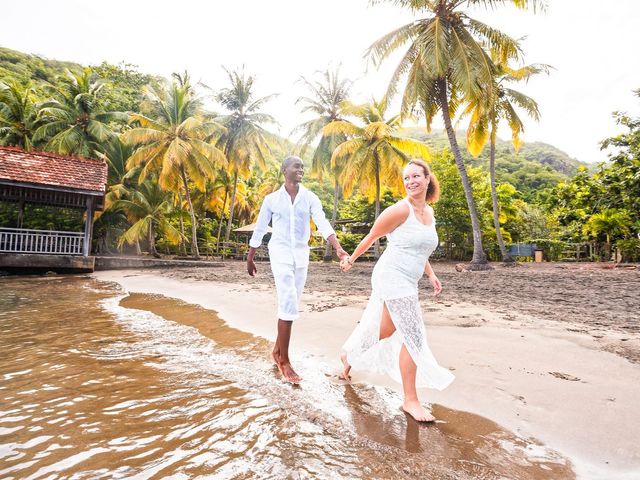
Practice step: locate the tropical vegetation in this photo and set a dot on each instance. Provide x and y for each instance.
(179, 163)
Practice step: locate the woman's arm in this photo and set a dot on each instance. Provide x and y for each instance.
(387, 222)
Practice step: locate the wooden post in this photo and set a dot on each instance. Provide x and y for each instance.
(20, 211)
(88, 228)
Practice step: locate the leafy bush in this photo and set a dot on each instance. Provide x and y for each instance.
(349, 241)
(630, 249)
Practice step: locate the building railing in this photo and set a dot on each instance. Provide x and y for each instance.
(51, 242)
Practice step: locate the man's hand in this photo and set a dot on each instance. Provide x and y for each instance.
(251, 267)
(342, 254)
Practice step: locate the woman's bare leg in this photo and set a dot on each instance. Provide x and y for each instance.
(386, 324)
(411, 404)
(386, 330)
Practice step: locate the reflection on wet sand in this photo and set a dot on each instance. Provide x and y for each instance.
(150, 387)
(459, 441)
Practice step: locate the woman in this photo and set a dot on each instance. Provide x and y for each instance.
(390, 337)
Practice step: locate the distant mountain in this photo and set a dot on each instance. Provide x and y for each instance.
(24, 66)
(535, 167)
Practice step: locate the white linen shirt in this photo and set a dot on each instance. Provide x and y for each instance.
(289, 242)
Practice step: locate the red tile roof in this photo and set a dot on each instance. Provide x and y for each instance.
(44, 168)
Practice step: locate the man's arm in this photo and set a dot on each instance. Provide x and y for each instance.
(319, 218)
(264, 217)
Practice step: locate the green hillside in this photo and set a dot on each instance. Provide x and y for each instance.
(535, 167)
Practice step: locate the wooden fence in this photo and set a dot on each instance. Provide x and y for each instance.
(50, 242)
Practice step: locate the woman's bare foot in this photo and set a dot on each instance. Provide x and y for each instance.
(417, 411)
(346, 368)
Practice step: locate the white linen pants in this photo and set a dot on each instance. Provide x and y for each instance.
(289, 285)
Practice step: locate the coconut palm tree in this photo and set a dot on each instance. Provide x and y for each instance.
(447, 63)
(119, 179)
(328, 94)
(175, 141)
(486, 116)
(72, 122)
(246, 142)
(147, 207)
(271, 179)
(18, 114)
(372, 152)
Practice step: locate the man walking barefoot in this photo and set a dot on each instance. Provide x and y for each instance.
(289, 209)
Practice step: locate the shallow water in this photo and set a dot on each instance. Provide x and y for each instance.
(97, 384)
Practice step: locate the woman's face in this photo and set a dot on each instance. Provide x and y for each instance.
(415, 181)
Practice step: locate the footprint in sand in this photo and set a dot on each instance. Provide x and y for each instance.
(565, 376)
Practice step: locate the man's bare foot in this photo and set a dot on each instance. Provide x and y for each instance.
(417, 411)
(346, 368)
(288, 373)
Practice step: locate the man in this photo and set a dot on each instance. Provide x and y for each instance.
(289, 209)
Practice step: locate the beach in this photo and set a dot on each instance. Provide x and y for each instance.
(549, 352)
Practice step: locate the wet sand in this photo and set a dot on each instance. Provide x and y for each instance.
(549, 352)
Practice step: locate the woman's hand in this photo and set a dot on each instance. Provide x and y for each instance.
(435, 283)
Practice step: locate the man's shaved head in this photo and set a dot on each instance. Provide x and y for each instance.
(288, 161)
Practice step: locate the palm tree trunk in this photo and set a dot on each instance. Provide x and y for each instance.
(152, 241)
(194, 231)
(183, 246)
(232, 206)
(479, 260)
(376, 245)
(138, 249)
(224, 205)
(506, 258)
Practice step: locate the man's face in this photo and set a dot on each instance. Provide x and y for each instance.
(294, 171)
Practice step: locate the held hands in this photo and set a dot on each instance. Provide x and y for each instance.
(344, 259)
(345, 264)
(435, 283)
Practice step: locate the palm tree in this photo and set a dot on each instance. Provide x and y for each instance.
(372, 151)
(325, 103)
(119, 179)
(73, 122)
(487, 114)
(446, 63)
(246, 141)
(610, 222)
(18, 115)
(174, 139)
(147, 208)
(270, 180)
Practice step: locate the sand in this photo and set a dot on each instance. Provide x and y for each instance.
(548, 351)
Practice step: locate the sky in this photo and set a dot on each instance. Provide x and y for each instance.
(591, 45)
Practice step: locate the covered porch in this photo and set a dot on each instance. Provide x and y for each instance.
(31, 181)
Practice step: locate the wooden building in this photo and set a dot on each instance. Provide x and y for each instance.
(58, 181)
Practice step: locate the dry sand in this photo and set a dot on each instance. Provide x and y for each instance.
(548, 351)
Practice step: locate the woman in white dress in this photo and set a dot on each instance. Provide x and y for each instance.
(390, 337)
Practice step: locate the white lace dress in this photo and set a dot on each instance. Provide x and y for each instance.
(394, 281)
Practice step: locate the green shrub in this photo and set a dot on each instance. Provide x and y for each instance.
(349, 241)
(630, 249)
